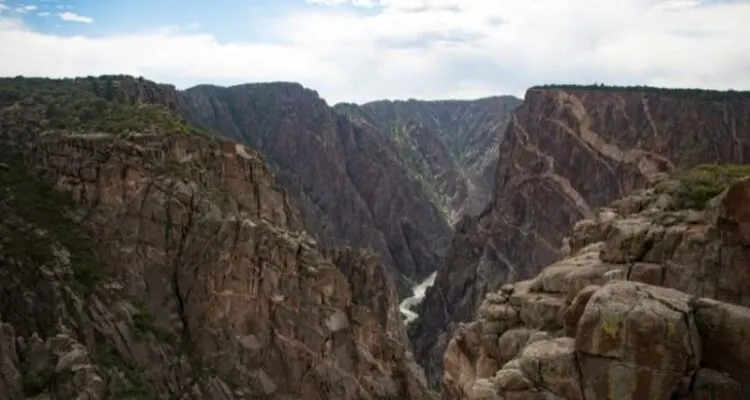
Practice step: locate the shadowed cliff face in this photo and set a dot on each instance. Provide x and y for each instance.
(170, 265)
(449, 146)
(349, 179)
(566, 153)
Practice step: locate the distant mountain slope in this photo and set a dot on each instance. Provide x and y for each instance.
(567, 151)
(450, 146)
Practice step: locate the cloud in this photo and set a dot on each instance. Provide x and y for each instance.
(73, 17)
(360, 50)
(43, 14)
(30, 8)
(3, 7)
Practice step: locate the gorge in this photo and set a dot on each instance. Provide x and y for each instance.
(253, 242)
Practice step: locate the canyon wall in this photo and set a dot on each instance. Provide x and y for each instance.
(567, 152)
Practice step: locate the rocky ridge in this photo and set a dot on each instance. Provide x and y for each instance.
(567, 152)
(160, 264)
(649, 302)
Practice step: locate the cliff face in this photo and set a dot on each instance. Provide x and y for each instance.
(649, 302)
(566, 153)
(349, 179)
(169, 265)
(449, 146)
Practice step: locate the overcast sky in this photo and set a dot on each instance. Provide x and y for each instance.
(361, 50)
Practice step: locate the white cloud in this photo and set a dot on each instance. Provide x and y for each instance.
(43, 14)
(427, 48)
(73, 17)
(3, 7)
(30, 8)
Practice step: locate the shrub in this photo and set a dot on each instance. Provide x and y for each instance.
(702, 183)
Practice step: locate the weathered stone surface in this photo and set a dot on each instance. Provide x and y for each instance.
(734, 214)
(624, 329)
(566, 153)
(551, 364)
(709, 385)
(636, 341)
(725, 330)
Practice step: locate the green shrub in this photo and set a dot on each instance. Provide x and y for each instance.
(701, 184)
(41, 205)
(83, 104)
(35, 383)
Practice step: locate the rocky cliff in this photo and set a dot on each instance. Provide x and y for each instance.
(143, 260)
(649, 302)
(568, 151)
(450, 146)
(349, 179)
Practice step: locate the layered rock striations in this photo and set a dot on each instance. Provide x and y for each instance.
(450, 145)
(164, 263)
(649, 302)
(349, 179)
(568, 151)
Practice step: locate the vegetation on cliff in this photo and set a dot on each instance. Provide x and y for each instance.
(704, 182)
(44, 208)
(81, 104)
(695, 94)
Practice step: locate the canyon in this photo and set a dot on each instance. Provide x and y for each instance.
(252, 242)
(389, 176)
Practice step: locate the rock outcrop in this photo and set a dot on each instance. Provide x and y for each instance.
(650, 302)
(170, 265)
(451, 146)
(567, 152)
(350, 181)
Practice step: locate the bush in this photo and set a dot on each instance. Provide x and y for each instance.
(90, 104)
(41, 205)
(701, 184)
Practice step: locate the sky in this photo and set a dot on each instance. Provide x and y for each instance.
(363, 50)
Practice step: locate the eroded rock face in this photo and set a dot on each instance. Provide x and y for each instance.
(565, 154)
(350, 181)
(648, 303)
(179, 270)
(449, 146)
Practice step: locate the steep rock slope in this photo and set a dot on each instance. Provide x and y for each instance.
(450, 146)
(567, 152)
(650, 302)
(165, 263)
(349, 179)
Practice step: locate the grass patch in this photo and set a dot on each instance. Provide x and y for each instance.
(42, 206)
(702, 183)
